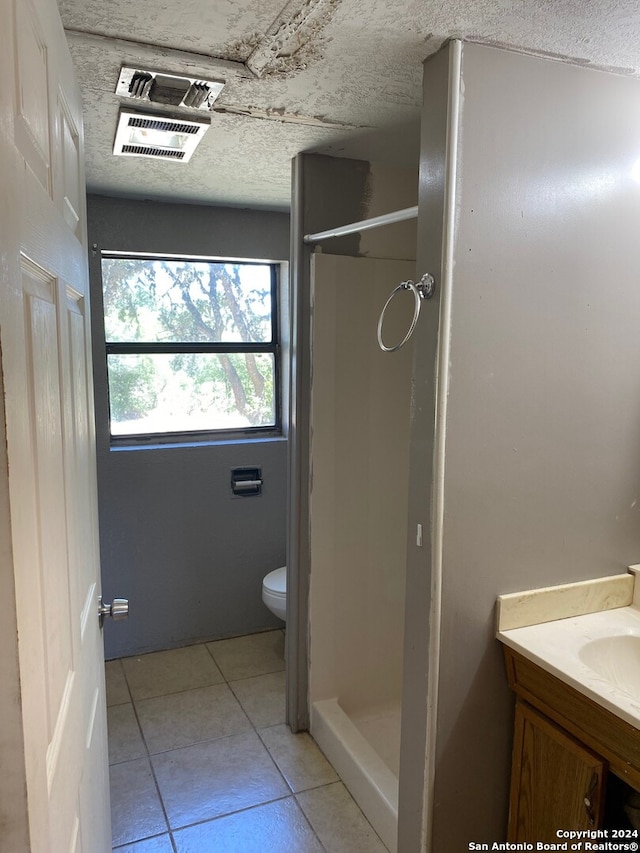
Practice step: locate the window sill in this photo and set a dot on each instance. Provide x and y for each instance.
(126, 447)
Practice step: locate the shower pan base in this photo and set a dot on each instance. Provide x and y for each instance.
(370, 781)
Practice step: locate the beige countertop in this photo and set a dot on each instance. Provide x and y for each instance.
(596, 652)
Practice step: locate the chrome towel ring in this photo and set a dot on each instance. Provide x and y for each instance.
(422, 290)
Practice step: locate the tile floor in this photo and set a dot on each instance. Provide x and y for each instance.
(201, 760)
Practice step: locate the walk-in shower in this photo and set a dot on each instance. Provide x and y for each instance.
(360, 416)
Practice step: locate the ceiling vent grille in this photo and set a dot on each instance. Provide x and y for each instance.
(163, 125)
(174, 90)
(160, 137)
(140, 85)
(141, 151)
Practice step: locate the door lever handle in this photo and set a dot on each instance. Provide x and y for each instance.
(117, 610)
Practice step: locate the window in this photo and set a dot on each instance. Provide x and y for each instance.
(192, 347)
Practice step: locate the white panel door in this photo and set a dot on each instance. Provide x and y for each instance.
(48, 472)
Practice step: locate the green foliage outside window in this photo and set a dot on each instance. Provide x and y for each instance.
(216, 309)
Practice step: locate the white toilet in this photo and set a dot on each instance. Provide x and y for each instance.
(274, 592)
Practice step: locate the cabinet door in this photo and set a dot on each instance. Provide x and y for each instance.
(556, 782)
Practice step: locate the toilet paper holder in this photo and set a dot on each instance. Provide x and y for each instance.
(246, 481)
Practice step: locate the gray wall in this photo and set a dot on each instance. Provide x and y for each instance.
(189, 556)
(542, 464)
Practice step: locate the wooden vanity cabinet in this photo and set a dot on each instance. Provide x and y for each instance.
(564, 747)
(556, 782)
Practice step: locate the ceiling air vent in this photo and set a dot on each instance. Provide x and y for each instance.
(141, 151)
(174, 90)
(160, 137)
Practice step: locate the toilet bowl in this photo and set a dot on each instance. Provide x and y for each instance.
(274, 592)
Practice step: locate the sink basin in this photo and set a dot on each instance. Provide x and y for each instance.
(598, 654)
(616, 659)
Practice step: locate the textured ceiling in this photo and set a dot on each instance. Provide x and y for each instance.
(337, 76)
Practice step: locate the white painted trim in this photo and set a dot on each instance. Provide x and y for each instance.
(90, 607)
(442, 391)
(92, 719)
(55, 745)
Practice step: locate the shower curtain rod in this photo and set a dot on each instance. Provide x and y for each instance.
(363, 225)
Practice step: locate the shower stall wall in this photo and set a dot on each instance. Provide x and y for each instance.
(525, 383)
(358, 525)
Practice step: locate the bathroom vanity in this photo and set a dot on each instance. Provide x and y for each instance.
(565, 746)
(576, 747)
